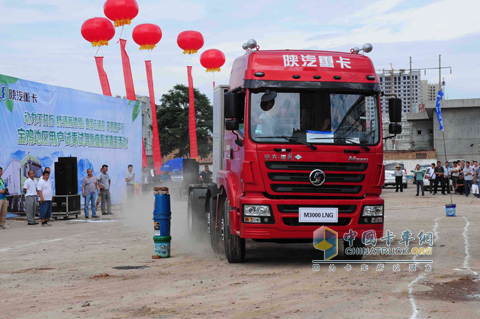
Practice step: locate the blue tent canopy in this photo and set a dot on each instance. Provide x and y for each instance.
(172, 165)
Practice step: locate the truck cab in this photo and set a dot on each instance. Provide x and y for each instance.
(297, 145)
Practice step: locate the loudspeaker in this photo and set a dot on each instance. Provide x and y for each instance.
(66, 204)
(66, 179)
(190, 171)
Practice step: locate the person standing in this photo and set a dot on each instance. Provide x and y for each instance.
(455, 171)
(3, 201)
(30, 192)
(166, 178)
(206, 175)
(399, 173)
(468, 173)
(430, 175)
(419, 179)
(89, 191)
(104, 185)
(130, 180)
(476, 179)
(45, 193)
(439, 178)
(146, 179)
(447, 174)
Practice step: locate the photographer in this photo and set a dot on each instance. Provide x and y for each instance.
(3, 200)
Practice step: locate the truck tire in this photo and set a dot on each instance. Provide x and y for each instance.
(193, 225)
(214, 234)
(234, 245)
(357, 243)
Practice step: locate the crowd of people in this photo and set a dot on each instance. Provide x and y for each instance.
(464, 177)
(95, 190)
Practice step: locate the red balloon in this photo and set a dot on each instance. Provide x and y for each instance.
(147, 35)
(121, 12)
(212, 60)
(98, 31)
(190, 41)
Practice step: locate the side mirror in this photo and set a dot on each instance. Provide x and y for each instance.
(232, 125)
(395, 110)
(234, 105)
(395, 128)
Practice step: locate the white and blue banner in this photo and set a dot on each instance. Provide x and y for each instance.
(40, 123)
(439, 110)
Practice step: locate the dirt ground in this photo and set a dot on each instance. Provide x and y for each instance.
(67, 270)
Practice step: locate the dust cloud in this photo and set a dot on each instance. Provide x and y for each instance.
(139, 214)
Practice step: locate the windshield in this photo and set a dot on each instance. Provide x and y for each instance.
(313, 117)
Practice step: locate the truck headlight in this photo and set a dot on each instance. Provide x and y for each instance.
(372, 211)
(256, 210)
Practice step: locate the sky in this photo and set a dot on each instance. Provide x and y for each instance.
(41, 39)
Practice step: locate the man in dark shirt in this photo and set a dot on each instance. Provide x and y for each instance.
(206, 176)
(439, 178)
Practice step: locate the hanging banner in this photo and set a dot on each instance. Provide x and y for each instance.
(192, 125)
(439, 110)
(157, 153)
(127, 72)
(41, 123)
(103, 76)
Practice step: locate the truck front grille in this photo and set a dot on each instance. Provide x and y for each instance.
(324, 189)
(292, 221)
(310, 166)
(303, 177)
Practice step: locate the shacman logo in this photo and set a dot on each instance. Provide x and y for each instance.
(326, 239)
(355, 159)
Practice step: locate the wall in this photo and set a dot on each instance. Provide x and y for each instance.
(462, 133)
(423, 141)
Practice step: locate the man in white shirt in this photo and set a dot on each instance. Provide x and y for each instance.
(430, 175)
(468, 173)
(30, 192)
(45, 193)
(130, 180)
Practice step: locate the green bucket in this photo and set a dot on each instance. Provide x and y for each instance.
(162, 246)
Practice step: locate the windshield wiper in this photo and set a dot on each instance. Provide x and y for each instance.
(365, 147)
(290, 139)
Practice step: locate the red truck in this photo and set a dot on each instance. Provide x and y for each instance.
(297, 145)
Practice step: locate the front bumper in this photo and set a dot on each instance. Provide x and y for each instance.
(286, 224)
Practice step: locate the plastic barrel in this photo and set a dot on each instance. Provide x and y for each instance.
(450, 208)
(162, 213)
(162, 246)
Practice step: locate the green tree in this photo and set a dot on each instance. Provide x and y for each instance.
(173, 122)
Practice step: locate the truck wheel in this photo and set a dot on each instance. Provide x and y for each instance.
(193, 228)
(357, 243)
(214, 234)
(234, 245)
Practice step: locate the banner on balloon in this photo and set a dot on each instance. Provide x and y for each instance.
(127, 72)
(157, 152)
(41, 123)
(103, 76)
(192, 125)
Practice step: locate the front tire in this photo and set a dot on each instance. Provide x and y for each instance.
(234, 245)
